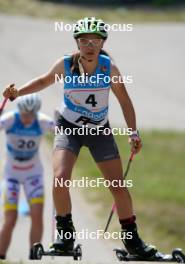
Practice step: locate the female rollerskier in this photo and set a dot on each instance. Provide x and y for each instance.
(86, 103)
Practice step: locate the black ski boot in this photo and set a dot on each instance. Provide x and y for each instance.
(137, 250)
(132, 242)
(135, 246)
(2, 257)
(65, 235)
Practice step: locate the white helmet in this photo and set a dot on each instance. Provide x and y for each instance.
(29, 103)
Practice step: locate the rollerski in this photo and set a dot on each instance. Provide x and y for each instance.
(176, 256)
(137, 250)
(38, 252)
(64, 243)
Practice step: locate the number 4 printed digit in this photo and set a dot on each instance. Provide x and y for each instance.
(91, 100)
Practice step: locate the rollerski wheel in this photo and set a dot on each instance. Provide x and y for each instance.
(77, 252)
(121, 254)
(38, 251)
(178, 255)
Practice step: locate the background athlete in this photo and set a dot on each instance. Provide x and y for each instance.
(24, 129)
(87, 104)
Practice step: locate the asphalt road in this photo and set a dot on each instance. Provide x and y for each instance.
(151, 54)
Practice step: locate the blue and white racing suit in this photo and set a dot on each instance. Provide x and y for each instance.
(23, 165)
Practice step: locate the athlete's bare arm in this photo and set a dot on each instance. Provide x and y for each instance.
(120, 92)
(40, 82)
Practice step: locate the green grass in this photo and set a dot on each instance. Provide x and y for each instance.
(62, 12)
(158, 187)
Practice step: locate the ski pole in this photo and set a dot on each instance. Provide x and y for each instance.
(3, 105)
(110, 217)
(53, 226)
(114, 205)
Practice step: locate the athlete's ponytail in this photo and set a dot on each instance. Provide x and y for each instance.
(74, 63)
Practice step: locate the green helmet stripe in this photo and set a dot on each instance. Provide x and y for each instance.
(90, 25)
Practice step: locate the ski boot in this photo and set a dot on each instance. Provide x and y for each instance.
(138, 250)
(135, 246)
(65, 235)
(63, 246)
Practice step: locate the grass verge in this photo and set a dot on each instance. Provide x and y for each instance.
(62, 12)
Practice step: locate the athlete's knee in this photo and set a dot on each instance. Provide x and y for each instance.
(37, 221)
(118, 190)
(36, 209)
(10, 222)
(60, 177)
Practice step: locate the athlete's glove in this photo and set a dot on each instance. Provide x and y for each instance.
(10, 92)
(135, 142)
